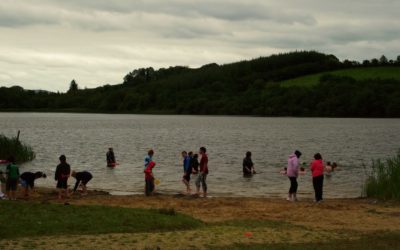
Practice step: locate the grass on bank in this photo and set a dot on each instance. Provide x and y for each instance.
(383, 181)
(380, 240)
(356, 73)
(13, 146)
(26, 219)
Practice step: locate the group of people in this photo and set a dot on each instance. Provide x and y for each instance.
(63, 173)
(317, 168)
(9, 183)
(193, 168)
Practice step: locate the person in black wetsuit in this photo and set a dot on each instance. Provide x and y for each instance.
(28, 180)
(82, 177)
(248, 165)
(194, 163)
(110, 158)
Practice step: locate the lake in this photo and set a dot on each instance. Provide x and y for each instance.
(85, 138)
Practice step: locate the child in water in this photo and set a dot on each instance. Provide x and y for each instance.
(328, 168)
(149, 178)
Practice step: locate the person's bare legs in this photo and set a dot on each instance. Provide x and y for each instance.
(84, 189)
(14, 197)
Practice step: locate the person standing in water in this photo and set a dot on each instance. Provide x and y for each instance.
(149, 178)
(292, 171)
(62, 174)
(317, 170)
(148, 158)
(248, 166)
(202, 177)
(187, 171)
(110, 157)
(194, 163)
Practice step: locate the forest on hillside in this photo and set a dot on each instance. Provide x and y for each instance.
(242, 88)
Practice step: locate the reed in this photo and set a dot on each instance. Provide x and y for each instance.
(14, 147)
(383, 181)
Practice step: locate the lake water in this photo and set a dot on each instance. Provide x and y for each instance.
(84, 139)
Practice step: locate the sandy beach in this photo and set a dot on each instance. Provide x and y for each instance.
(305, 221)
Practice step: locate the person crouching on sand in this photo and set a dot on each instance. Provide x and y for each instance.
(27, 180)
(82, 178)
(187, 171)
(293, 172)
(63, 171)
(149, 178)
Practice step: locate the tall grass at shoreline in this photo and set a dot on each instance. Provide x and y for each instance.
(383, 181)
(13, 146)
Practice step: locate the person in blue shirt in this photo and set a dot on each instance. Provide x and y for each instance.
(187, 170)
(148, 158)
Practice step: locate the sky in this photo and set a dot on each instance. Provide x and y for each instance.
(44, 44)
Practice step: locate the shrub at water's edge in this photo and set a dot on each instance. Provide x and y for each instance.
(384, 180)
(12, 146)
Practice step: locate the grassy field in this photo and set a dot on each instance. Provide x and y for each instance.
(356, 73)
(36, 219)
(100, 221)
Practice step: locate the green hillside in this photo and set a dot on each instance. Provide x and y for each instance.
(391, 72)
(242, 88)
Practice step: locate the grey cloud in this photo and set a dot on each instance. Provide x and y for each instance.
(98, 41)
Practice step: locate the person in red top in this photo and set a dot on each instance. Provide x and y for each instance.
(149, 178)
(317, 170)
(201, 178)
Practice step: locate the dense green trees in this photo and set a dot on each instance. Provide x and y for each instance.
(242, 88)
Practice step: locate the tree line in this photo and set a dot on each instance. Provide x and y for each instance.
(242, 88)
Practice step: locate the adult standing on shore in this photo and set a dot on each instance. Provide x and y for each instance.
(292, 172)
(202, 177)
(62, 174)
(317, 170)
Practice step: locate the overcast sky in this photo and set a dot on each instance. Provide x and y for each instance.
(44, 44)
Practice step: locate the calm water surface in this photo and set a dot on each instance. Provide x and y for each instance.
(84, 139)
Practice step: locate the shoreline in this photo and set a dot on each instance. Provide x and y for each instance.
(175, 114)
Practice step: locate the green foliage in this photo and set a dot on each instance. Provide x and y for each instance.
(364, 73)
(384, 180)
(34, 219)
(13, 147)
(242, 88)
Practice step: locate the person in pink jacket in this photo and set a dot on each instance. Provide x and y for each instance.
(292, 172)
(317, 171)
